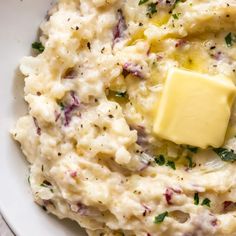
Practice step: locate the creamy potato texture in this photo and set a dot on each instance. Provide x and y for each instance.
(93, 94)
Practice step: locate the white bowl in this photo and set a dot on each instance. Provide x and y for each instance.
(19, 21)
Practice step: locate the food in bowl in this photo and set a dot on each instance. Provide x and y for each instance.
(131, 122)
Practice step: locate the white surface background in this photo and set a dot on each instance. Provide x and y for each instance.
(19, 21)
(4, 230)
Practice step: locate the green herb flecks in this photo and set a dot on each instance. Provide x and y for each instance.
(160, 160)
(206, 202)
(191, 164)
(176, 16)
(171, 164)
(38, 46)
(229, 40)
(196, 199)
(192, 149)
(28, 179)
(151, 9)
(160, 218)
(46, 184)
(62, 106)
(225, 154)
(142, 2)
(120, 94)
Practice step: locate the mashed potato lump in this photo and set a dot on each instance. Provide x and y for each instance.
(93, 91)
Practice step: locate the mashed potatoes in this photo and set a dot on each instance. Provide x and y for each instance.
(93, 94)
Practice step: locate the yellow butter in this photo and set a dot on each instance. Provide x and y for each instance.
(194, 108)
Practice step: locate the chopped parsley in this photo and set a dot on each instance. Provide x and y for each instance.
(38, 46)
(191, 164)
(206, 202)
(225, 154)
(142, 2)
(192, 149)
(29, 179)
(151, 9)
(229, 40)
(196, 199)
(160, 160)
(176, 16)
(62, 106)
(120, 94)
(160, 218)
(46, 184)
(171, 164)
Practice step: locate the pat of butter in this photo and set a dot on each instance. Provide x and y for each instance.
(194, 108)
